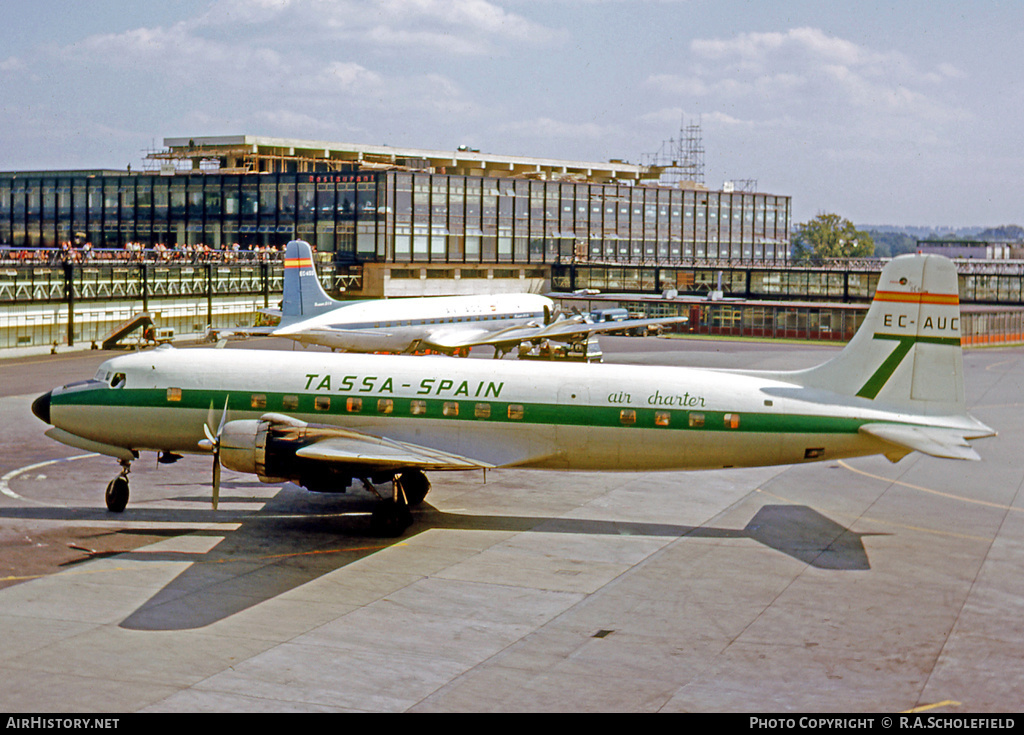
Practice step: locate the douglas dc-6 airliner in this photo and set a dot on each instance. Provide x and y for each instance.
(323, 420)
(449, 324)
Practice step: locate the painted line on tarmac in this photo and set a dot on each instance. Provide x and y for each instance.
(950, 496)
(5, 481)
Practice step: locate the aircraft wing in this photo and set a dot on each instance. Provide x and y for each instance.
(213, 334)
(936, 441)
(325, 332)
(562, 330)
(569, 329)
(354, 447)
(455, 338)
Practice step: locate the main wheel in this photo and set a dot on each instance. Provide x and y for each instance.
(117, 494)
(415, 485)
(390, 519)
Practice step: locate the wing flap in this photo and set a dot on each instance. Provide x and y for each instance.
(931, 440)
(352, 447)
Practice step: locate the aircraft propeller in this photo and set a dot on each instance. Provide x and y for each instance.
(213, 442)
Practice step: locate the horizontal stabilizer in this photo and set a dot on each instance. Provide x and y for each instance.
(938, 442)
(352, 447)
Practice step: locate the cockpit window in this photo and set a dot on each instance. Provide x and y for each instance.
(117, 381)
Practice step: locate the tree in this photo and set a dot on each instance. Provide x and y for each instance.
(830, 236)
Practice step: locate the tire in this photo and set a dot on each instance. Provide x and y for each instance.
(117, 495)
(416, 486)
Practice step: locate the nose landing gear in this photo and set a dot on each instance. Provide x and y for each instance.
(117, 489)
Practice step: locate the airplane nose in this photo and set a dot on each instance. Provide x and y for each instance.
(41, 407)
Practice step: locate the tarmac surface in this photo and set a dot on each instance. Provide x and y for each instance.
(853, 586)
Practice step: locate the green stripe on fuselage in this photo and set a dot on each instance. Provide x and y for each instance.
(588, 416)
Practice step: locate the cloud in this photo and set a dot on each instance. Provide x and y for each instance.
(814, 75)
(463, 27)
(546, 128)
(12, 64)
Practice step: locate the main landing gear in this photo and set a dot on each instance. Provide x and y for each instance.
(117, 489)
(390, 518)
(392, 515)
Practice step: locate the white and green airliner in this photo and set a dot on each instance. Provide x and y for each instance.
(325, 420)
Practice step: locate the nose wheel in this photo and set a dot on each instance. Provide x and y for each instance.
(116, 496)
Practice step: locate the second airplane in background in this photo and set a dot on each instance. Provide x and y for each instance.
(450, 324)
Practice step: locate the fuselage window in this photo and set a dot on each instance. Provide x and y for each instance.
(258, 400)
(662, 418)
(385, 405)
(627, 417)
(732, 420)
(289, 403)
(515, 412)
(450, 408)
(174, 394)
(482, 410)
(696, 420)
(354, 405)
(417, 408)
(322, 403)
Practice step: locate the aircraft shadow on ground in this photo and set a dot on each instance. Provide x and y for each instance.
(297, 537)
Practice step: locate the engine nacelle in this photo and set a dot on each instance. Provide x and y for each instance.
(266, 447)
(243, 447)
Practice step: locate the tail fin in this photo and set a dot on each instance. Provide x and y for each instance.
(906, 353)
(303, 294)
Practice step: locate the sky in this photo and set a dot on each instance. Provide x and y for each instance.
(902, 112)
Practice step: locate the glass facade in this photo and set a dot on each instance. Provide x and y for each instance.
(396, 216)
(265, 210)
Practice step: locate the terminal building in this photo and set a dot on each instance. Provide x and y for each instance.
(403, 217)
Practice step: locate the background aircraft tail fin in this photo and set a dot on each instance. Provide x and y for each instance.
(304, 296)
(907, 351)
